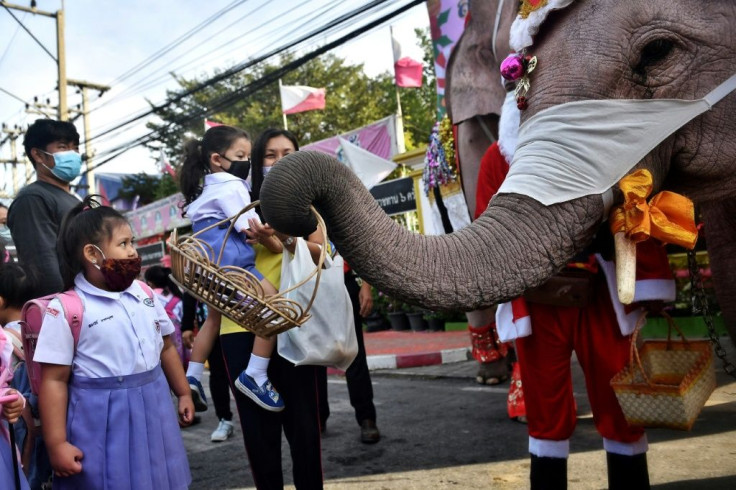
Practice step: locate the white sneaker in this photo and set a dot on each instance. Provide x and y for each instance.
(223, 432)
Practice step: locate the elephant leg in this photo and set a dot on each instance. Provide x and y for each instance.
(720, 226)
(474, 136)
(491, 354)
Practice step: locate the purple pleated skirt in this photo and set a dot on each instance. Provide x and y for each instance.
(127, 429)
(7, 481)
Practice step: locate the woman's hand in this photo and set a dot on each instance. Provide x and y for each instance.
(365, 298)
(65, 459)
(12, 409)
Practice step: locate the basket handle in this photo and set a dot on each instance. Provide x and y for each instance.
(672, 325)
(318, 269)
(634, 352)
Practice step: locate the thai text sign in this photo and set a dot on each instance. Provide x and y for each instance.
(395, 196)
(151, 254)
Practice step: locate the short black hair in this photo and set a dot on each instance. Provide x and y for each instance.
(45, 131)
(18, 284)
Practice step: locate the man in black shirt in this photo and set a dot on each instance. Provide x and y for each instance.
(35, 215)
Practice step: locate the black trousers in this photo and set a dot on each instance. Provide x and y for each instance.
(360, 389)
(219, 383)
(262, 429)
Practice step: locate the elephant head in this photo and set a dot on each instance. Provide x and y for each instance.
(592, 49)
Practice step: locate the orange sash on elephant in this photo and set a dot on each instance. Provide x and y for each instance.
(668, 217)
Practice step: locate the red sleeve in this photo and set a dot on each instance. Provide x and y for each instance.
(493, 170)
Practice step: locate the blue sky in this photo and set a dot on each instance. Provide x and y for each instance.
(105, 39)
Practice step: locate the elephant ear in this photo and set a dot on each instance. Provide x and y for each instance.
(473, 83)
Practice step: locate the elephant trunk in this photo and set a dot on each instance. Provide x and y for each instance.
(516, 244)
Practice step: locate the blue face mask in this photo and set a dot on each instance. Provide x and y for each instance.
(67, 165)
(266, 170)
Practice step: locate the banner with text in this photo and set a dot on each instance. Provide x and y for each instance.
(157, 217)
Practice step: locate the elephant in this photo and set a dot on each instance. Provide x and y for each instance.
(592, 49)
(473, 92)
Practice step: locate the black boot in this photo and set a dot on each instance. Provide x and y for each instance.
(627, 472)
(548, 473)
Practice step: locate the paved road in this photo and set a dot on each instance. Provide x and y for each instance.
(441, 430)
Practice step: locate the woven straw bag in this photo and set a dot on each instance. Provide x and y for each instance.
(666, 383)
(235, 292)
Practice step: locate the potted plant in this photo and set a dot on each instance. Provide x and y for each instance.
(396, 312)
(416, 320)
(376, 321)
(435, 320)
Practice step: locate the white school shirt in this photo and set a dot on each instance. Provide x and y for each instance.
(223, 195)
(121, 334)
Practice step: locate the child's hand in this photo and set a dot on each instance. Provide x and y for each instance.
(65, 459)
(186, 410)
(12, 405)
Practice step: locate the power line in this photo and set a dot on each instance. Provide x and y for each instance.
(12, 95)
(256, 84)
(242, 66)
(176, 42)
(30, 33)
(10, 43)
(145, 82)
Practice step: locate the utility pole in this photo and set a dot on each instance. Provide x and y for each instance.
(13, 134)
(60, 49)
(400, 143)
(88, 153)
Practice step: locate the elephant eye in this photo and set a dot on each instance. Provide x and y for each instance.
(653, 53)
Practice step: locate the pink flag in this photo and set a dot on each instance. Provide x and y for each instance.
(210, 124)
(300, 98)
(164, 164)
(408, 71)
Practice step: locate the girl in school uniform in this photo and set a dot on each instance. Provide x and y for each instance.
(213, 183)
(106, 410)
(11, 407)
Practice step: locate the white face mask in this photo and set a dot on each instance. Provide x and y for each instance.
(266, 170)
(582, 148)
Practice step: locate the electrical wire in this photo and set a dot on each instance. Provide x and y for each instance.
(238, 68)
(146, 83)
(30, 33)
(176, 42)
(10, 43)
(255, 85)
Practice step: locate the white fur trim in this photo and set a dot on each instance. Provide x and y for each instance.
(523, 30)
(507, 328)
(626, 322)
(655, 289)
(508, 127)
(626, 448)
(545, 448)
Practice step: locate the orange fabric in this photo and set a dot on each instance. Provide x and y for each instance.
(667, 217)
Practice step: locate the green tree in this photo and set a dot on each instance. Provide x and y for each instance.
(148, 188)
(353, 100)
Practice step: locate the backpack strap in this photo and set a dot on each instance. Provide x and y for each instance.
(73, 311)
(146, 288)
(17, 342)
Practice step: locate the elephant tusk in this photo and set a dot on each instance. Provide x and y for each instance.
(625, 267)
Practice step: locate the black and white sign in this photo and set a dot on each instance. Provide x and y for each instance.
(151, 254)
(396, 196)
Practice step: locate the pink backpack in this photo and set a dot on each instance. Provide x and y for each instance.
(32, 319)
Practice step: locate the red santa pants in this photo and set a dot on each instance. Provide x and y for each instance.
(544, 357)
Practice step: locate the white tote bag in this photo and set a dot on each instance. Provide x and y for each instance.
(328, 337)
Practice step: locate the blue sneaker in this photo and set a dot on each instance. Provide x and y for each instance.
(265, 396)
(200, 401)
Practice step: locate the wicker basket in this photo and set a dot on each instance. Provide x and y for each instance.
(667, 382)
(235, 292)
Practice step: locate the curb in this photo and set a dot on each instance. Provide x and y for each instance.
(399, 361)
